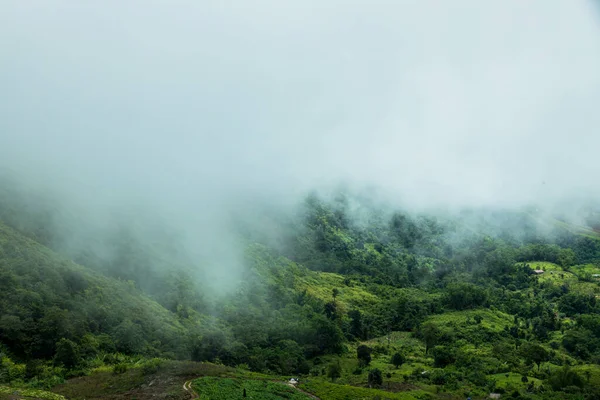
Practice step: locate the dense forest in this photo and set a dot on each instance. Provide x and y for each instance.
(351, 296)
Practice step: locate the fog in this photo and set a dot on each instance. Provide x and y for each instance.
(187, 110)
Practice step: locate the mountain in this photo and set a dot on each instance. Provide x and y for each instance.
(356, 301)
(45, 297)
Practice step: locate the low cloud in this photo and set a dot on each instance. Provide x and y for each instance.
(192, 109)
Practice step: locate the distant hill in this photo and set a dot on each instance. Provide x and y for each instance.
(45, 297)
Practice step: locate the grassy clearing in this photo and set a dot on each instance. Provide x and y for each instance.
(231, 388)
(321, 285)
(589, 269)
(556, 275)
(512, 381)
(493, 320)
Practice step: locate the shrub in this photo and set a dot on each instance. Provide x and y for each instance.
(151, 366)
(443, 356)
(375, 377)
(334, 371)
(363, 353)
(398, 359)
(120, 368)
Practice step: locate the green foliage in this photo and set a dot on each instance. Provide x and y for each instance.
(67, 353)
(462, 296)
(398, 359)
(31, 393)
(564, 378)
(375, 378)
(363, 354)
(453, 303)
(43, 300)
(443, 356)
(228, 388)
(152, 366)
(430, 334)
(534, 353)
(120, 368)
(334, 371)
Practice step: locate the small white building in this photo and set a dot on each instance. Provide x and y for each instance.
(538, 271)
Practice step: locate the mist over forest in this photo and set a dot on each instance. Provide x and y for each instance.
(343, 170)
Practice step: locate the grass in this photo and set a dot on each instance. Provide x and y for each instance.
(12, 393)
(493, 320)
(321, 285)
(333, 391)
(586, 269)
(214, 388)
(556, 275)
(513, 381)
(134, 384)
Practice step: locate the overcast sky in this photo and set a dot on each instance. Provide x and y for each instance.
(462, 102)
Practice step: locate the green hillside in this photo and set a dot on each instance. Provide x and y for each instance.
(396, 306)
(45, 298)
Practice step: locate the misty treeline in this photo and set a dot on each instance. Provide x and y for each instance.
(65, 307)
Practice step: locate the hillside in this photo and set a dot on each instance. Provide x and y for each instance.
(45, 298)
(398, 306)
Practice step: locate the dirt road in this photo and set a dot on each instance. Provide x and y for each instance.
(188, 388)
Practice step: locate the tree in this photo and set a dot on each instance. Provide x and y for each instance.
(331, 310)
(398, 359)
(430, 334)
(210, 347)
(565, 377)
(443, 356)
(334, 371)
(356, 324)
(566, 258)
(580, 342)
(363, 353)
(335, 292)
(129, 337)
(462, 296)
(534, 353)
(375, 377)
(67, 353)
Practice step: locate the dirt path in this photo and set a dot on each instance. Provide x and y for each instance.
(188, 388)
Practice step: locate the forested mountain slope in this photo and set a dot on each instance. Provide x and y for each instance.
(357, 300)
(45, 298)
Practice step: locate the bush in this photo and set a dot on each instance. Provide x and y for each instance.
(443, 356)
(398, 359)
(334, 371)
(151, 366)
(120, 368)
(379, 349)
(565, 378)
(375, 377)
(67, 353)
(363, 353)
